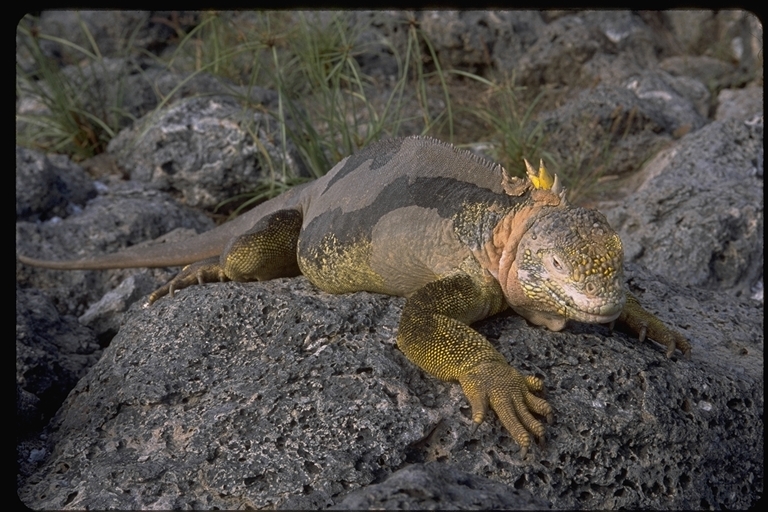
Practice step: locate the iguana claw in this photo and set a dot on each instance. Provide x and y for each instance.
(511, 396)
(205, 271)
(646, 324)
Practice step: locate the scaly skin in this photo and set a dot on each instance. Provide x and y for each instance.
(267, 251)
(569, 267)
(434, 333)
(645, 324)
(450, 232)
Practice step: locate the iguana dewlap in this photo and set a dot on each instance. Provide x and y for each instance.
(418, 218)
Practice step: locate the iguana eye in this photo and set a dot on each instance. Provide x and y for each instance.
(556, 263)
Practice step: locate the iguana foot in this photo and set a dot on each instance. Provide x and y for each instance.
(646, 324)
(511, 396)
(266, 251)
(205, 271)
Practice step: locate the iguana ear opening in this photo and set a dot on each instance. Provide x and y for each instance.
(542, 179)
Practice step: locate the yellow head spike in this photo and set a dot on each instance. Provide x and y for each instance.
(541, 179)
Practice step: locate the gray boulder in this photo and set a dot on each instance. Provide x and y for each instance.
(744, 104)
(117, 214)
(203, 148)
(436, 486)
(611, 131)
(277, 395)
(695, 213)
(49, 186)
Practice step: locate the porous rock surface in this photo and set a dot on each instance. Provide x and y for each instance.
(278, 395)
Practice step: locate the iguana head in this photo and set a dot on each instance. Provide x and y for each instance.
(567, 264)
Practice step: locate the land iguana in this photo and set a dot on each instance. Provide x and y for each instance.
(448, 230)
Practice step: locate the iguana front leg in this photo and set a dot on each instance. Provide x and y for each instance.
(434, 333)
(644, 323)
(266, 251)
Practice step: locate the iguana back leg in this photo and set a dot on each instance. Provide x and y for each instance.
(266, 251)
(434, 333)
(647, 324)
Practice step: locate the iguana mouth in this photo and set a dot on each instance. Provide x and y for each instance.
(604, 308)
(593, 318)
